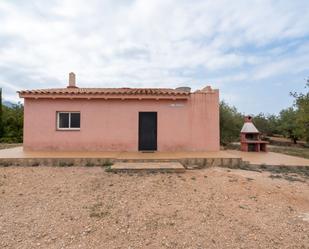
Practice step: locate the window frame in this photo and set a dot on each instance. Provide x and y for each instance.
(69, 128)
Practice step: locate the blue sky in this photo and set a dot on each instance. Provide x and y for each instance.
(254, 51)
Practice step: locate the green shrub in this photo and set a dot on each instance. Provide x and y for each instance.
(108, 169)
(65, 164)
(89, 164)
(107, 163)
(6, 163)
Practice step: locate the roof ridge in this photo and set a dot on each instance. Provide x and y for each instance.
(108, 91)
(152, 88)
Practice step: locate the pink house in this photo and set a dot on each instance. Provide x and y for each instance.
(121, 119)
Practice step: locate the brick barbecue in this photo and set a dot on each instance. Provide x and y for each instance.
(250, 137)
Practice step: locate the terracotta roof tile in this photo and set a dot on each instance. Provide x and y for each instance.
(105, 91)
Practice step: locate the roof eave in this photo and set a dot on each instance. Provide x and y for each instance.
(102, 96)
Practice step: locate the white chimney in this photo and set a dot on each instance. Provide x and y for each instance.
(72, 81)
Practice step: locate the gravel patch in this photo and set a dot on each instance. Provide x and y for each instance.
(80, 207)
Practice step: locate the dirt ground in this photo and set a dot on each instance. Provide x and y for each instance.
(75, 207)
(8, 146)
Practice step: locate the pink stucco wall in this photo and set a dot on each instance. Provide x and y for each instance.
(112, 125)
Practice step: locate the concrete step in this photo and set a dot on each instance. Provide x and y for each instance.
(168, 167)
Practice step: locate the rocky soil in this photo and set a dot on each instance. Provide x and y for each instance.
(75, 207)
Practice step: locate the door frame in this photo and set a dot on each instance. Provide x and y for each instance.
(140, 131)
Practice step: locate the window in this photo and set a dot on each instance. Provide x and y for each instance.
(68, 120)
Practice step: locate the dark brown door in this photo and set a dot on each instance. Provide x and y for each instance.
(147, 131)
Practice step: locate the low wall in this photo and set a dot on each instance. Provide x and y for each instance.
(189, 163)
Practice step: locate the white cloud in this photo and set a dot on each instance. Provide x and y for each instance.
(150, 43)
(9, 85)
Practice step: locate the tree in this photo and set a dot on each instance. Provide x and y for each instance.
(302, 105)
(1, 123)
(231, 122)
(289, 125)
(12, 124)
(267, 125)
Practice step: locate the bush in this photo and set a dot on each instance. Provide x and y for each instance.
(12, 124)
(231, 122)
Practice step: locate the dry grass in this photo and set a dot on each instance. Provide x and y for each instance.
(7, 146)
(292, 151)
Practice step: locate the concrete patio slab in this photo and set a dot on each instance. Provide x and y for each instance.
(18, 152)
(170, 167)
(223, 157)
(270, 158)
(193, 160)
